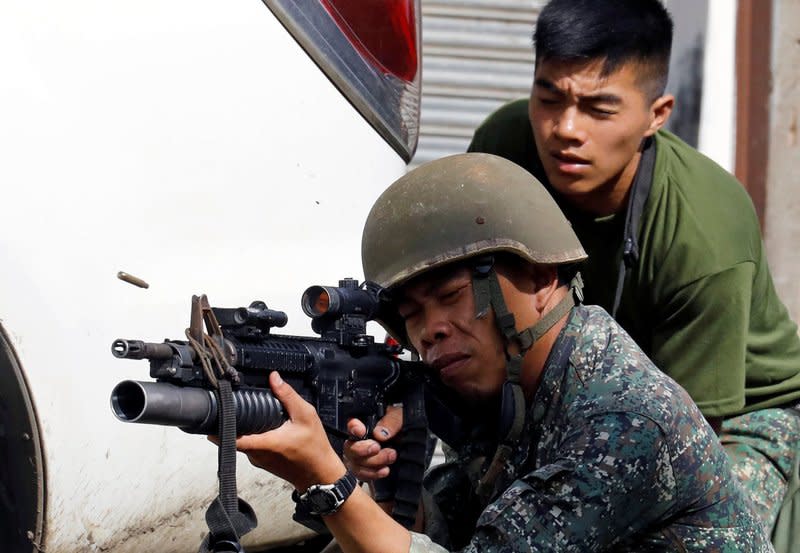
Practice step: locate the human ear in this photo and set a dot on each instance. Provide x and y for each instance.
(545, 280)
(660, 110)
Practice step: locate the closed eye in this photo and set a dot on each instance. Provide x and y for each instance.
(547, 101)
(451, 295)
(408, 311)
(603, 104)
(603, 112)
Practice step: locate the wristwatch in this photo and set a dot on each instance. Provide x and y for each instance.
(326, 499)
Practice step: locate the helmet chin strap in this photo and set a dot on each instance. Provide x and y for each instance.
(488, 294)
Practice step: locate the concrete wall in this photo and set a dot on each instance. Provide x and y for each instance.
(717, 133)
(686, 66)
(782, 220)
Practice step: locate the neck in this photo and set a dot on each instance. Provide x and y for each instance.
(612, 196)
(534, 361)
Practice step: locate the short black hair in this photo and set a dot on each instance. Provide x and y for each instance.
(616, 31)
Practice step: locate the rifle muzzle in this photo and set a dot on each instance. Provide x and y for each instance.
(137, 349)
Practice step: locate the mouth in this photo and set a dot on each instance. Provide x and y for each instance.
(448, 365)
(568, 162)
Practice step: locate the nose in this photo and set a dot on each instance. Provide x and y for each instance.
(435, 327)
(568, 126)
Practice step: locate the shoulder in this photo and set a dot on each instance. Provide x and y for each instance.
(614, 378)
(507, 132)
(513, 113)
(699, 220)
(688, 172)
(613, 374)
(601, 344)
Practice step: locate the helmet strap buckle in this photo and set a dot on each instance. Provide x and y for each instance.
(482, 288)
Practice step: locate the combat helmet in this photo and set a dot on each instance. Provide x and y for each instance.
(458, 207)
(470, 207)
(461, 206)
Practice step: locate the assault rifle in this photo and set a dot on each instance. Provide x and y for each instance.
(343, 373)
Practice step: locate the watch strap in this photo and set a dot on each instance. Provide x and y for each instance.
(334, 494)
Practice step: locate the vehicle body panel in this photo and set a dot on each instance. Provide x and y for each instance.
(166, 140)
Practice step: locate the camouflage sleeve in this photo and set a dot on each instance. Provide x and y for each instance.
(609, 479)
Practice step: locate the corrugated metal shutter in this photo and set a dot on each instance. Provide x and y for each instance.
(476, 55)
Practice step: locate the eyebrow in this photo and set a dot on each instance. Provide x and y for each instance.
(437, 281)
(600, 98)
(546, 84)
(426, 290)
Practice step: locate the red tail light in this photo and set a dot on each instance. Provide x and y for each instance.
(388, 36)
(370, 50)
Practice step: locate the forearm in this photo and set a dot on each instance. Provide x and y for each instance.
(362, 526)
(300, 453)
(419, 521)
(388, 507)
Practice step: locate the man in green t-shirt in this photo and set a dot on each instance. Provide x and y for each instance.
(675, 250)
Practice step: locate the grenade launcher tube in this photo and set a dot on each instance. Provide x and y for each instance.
(193, 410)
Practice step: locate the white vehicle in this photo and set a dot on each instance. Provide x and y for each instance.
(226, 148)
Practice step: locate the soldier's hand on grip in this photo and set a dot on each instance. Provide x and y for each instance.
(370, 458)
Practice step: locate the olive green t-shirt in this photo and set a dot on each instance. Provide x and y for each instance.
(700, 299)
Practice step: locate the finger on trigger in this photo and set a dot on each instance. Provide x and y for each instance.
(356, 429)
(364, 448)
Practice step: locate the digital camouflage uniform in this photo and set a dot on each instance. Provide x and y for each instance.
(764, 446)
(701, 303)
(614, 457)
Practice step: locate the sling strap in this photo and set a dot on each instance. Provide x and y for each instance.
(488, 294)
(640, 190)
(228, 517)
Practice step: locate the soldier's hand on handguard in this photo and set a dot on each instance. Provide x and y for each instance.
(370, 458)
(298, 451)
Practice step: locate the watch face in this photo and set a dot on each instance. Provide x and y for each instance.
(322, 501)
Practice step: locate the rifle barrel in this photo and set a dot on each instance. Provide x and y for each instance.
(137, 349)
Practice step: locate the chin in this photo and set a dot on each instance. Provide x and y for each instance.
(571, 187)
(475, 396)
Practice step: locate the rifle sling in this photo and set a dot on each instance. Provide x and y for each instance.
(640, 190)
(228, 517)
